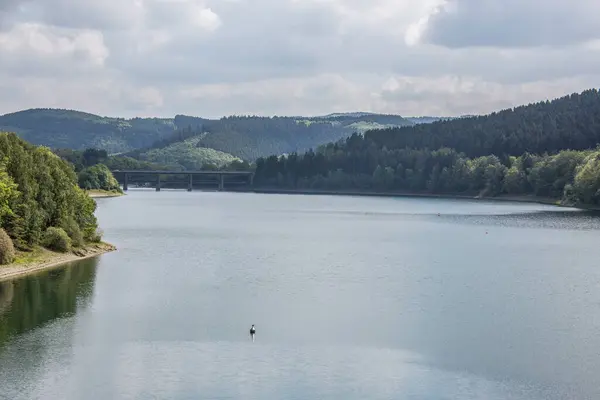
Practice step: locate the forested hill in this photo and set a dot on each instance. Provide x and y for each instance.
(78, 130)
(570, 122)
(504, 153)
(245, 137)
(250, 137)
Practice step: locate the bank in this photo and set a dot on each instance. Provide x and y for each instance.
(97, 193)
(500, 198)
(42, 259)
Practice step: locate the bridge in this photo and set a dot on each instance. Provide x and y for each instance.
(216, 179)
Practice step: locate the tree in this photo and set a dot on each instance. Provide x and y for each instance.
(39, 190)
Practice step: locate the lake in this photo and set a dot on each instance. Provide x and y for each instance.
(352, 298)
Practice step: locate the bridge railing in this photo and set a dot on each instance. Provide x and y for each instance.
(160, 178)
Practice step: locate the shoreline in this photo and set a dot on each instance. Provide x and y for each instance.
(44, 259)
(98, 194)
(501, 198)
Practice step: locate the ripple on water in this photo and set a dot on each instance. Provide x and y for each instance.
(233, 370)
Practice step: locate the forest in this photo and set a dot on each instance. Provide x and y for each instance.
(570, 122)
(185, 140)
(41, 203)
(547, 149)
(57, 128)
(93, 167)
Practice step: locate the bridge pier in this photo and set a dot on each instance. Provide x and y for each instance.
(221, 182)
(203, 178)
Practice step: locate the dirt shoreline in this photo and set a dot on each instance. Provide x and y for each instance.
(97, 194)
(45, 259)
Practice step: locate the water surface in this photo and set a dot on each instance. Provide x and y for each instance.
(352, 297)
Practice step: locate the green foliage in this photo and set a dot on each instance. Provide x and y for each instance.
(39, 190)
(77, 130)
(570, 122)
(7, 248)
(57, 239)
(8, 192)
(251, 137)
(358, 164)
(98, 177)
(96, 237)
(480, 156)
(188, 155)
(72, 229)
(246, 137)
(586, 185)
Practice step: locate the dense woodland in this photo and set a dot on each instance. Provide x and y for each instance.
(40, 200)
(57, 128)
(93, 167)
(546, 149)
(199, 141)
(571, 122)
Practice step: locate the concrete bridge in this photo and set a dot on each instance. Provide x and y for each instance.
(216, 178)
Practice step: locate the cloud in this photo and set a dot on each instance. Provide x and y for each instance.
(219, 57)
(26, 47)
(508, 23)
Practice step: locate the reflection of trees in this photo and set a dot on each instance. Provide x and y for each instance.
(6, 295)
(43, 297)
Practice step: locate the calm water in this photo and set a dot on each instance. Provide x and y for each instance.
(353, 298)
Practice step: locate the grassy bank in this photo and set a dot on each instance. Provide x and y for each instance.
(505, 198)
(97, 193)
(42, 259)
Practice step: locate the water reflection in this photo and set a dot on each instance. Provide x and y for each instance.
(33, 301)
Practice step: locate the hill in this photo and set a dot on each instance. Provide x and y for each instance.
(569, 122)
(78, 130)
(249, 137)
(429, 120)
(547, 149)
(243, 137)
(188, 155)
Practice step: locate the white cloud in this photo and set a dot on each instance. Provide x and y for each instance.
(39, 49)
(218, 57)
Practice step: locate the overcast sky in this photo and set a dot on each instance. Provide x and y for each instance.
(289, 57)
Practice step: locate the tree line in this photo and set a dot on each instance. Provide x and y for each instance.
(41, 202)
(570, 122)
(547, 149)
(360, 165)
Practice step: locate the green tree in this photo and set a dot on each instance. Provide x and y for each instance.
(98, 177)
(39, 190)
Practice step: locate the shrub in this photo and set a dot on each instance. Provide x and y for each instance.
(57, 239)
(7, 248)
(96, 237)
(74, 232)
(98, 177)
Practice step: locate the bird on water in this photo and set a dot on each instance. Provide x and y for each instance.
(252, 331)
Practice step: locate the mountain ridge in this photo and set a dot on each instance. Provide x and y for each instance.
(245, 137)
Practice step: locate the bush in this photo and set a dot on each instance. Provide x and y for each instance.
(74, 232)
(57, 239)
(98, 177)
(7, 248)
(96, 237)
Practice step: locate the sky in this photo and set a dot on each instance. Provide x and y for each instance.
(213, 58)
